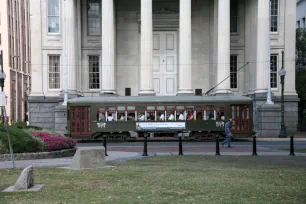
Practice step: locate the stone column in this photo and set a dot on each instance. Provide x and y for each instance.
(108, 47)
(263, 46)
(36, 52)
(185, 85)
(146, 53)
(223, 47)
(70, 43)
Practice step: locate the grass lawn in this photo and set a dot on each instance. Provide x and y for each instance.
(295, 150)
(294, 133)
(172, 179)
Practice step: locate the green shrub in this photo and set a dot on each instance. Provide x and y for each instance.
(22, 141)
(36, 128)
(3, 149)
(19, 124)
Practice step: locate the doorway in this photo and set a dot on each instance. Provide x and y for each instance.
(165, 63)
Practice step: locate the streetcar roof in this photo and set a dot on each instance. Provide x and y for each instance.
(159, 99)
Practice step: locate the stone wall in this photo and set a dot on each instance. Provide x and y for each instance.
(41, 111)
(263, 115)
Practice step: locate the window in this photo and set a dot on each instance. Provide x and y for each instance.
(94, 74)
(234, 16)
(233, 72)
(273, 68)
(303, 23)
(273, 15)
(53, 16)
(93, 17)
(54, 72)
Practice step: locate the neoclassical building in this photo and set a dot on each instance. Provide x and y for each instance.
(160, 47)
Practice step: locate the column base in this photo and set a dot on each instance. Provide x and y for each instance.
(108, 93)
(185, 92)
(146, 93)
(71, 94)
(223, 92)
(261, 91)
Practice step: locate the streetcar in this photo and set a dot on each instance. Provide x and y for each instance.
(130, 117)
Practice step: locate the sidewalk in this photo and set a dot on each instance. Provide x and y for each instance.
(126, 155)
(298, 138)
(66, 161)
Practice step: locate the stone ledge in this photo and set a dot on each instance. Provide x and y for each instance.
(39, 155)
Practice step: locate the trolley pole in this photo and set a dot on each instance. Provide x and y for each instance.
(145, 149)
(291, 147)
(180, 145)
(104, 144)
(254, 146)
(217, 146)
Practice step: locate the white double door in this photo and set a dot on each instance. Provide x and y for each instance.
(165, 63)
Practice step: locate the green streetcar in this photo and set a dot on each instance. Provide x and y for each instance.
(127, 117)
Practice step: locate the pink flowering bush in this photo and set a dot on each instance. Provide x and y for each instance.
(55, 142)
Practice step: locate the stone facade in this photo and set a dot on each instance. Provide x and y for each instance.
(301, 14)
(15, 45)
(200, 61)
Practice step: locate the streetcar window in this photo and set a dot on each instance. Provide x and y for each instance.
(150, 113)
(220, 112)
(180, 112)
(121, 108)
(141, 108)
(101, 117)
(131, 116)
(247, 112)
(101, 109)
(190, 112)
(141, 116)
(121, 116)
(170, 112)
(111, 117)
(210, 112)
(199, 113)
(101, 113)
(150, 116)
(161, 115)
(160, 107)
(131, 108)
(111, 108)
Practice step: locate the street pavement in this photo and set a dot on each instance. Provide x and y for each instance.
(133, 150)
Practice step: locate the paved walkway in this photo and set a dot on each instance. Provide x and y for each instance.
(57, 162)
(126, 155)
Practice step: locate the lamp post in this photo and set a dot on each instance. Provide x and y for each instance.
(282, 74)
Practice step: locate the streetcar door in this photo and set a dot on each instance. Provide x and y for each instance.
(80, 120)
(241, 118)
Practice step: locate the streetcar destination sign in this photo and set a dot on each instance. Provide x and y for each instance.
(160, 126)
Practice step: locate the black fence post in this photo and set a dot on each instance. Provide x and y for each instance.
(291, 147)
(254, 146)
(104, 144)
(217, 146)
(145, 149)
(180, 146)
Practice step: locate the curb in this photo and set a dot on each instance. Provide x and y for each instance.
(274, 139)
(39, 155)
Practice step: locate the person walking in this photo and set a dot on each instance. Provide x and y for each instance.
(228, 134)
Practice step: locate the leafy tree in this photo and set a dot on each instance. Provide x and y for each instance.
(301, 67)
